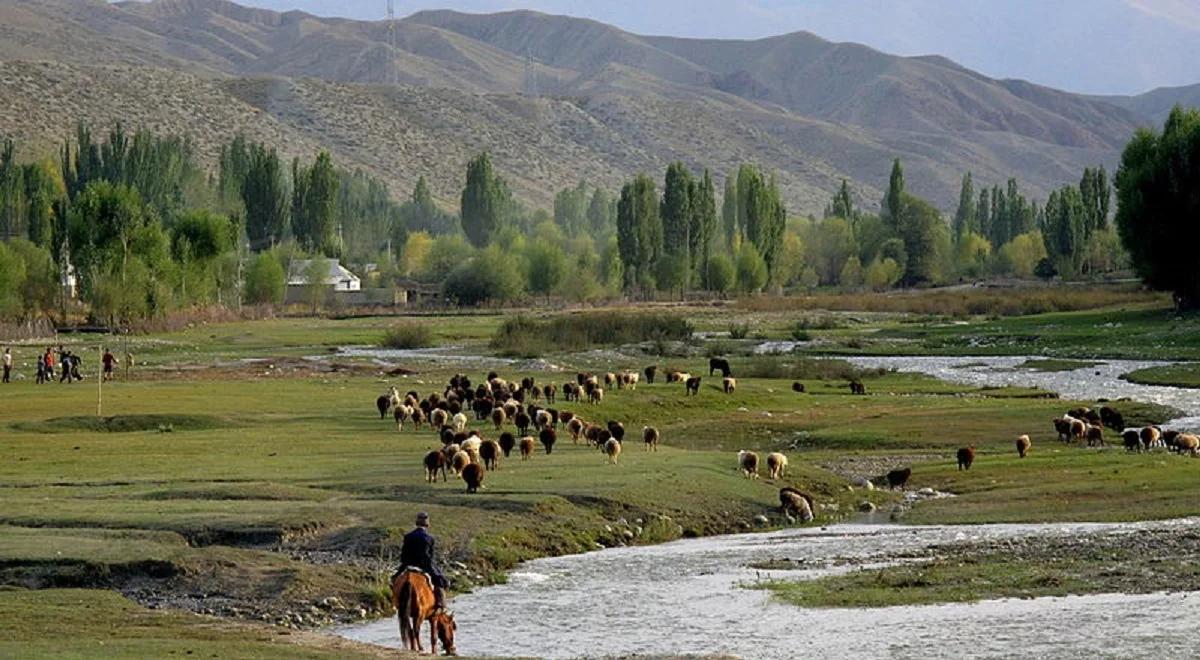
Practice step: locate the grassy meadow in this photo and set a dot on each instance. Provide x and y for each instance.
(224, 484)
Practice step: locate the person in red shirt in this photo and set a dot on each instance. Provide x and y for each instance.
(109, 360)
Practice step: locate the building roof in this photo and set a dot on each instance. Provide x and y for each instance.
(338, 273)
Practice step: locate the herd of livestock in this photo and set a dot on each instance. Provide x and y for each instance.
(524, 416)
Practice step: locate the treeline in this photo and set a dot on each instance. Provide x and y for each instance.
(145, 230)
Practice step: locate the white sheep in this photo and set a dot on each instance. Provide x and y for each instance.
(459, 422)
(612, 449)
(776, 464)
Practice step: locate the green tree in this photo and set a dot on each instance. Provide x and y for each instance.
(675, 211)
(671, 272)
(315, 274)
(703, 223)
(971, 254)
(547, 266)
(1097, 195)
(484, 201)
(882, 274)
(924, 234)
(12, 279)
(851, 275)
(639, 231)
(489, 277)
(894, 201)
(964, 218)
(571, 209)
(104, 221)
(266, 283)
(600, 212)
(720, 275)
(729, 211)
(842, 205)
(830, 244)
(446, 254)
(751, 269)
(983, 213)
(13, 207)
(265, 198)
(809, 279)
(314, 205)
(1158, 205)
(1065, 236)
(38, 290)
(1021, 255)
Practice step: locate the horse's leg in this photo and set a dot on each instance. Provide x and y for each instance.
(418, 621)
(432, 638)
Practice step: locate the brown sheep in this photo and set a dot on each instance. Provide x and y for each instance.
(400, 414)
(898, 478)
(522, 422)
(612, 449)
(966, 456)
(548, 437)
(489, 451)
(499, 417)
(1188, 442)
(748, 463)
(1063, 426)
(650, 436)
(730, 384)
(1078, 429)
(1023, 445)
(461, 460)
(548, 391)
(692, 386)
(610, 379)
(797, 502)
(1150, 437)
(1095, 435)
(1132, 440)
(417, 416)
(526, 448)
(473, 476)
(575, 428)
(776, 465)
(596, 396)
(438, 418)
(566, 416)
(434, 461)
(507, 442)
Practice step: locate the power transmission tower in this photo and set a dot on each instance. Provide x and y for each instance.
(530, 75)
(391, 19)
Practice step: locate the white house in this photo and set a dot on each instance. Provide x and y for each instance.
(338, 278)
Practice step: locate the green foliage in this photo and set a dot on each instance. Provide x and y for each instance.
(703, 224)
(729, 211)
(675, 212)
(894, 200)
(315, 274)
(965, 220)
(522, 335)
(13, 207)
(751, 270)
(484, 201)
(1157, 205)
(490, 277)
(671, 272)
(1022, 255)
(720, 274)
(314, 202)
(842, 205)
(1066, 230)
(571, 209)
(639, 231)
(851, 276)
(547, 266)
(831, 243)
(12, 278)
(445, 254)
(972, 254)
(264, 196)
(408, 336)
(601, 213)
(882, 274)
(761, 212)
(266, 283)
(420, 213)
(739, 330)
(925, 240)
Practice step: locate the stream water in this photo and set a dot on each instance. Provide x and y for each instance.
(688, 597)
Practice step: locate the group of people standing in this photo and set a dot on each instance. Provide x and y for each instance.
(67, 364)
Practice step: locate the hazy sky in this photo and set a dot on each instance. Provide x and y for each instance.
(1098, 46)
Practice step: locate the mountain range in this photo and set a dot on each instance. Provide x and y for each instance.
(554, 98)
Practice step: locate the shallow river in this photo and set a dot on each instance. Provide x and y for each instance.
(1101, 381)
(686, 597)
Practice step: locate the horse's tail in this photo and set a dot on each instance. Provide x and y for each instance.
(402, 596)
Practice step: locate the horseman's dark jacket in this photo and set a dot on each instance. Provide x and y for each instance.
(418, 552)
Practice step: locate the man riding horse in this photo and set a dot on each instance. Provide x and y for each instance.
(418, 552)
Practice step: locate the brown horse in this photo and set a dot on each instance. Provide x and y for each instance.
(412, 596)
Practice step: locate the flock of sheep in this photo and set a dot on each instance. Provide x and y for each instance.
(1086, 424)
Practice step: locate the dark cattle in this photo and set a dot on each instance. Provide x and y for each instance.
(434, 461)
(553, 417)
(719, 363)
(1132, 440)
(507, 442)
(383, 403)
(1170, 438)
(472, 474)
(693, 385)
(650, 372)
(602, 436)
(898, 478)
(1092, 417)
(616, 430)
(966, 456)
(798, 387)
(548, 437)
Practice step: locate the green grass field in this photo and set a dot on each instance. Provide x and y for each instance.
(1175, 375)
(242, 482)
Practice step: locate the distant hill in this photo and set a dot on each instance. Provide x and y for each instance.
(610, 102)
(1156, 104)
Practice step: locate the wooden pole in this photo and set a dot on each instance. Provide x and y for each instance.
(100, 383)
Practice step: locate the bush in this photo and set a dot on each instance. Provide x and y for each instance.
(720, 275)
(489, 277)
(739, 330)
(265, 280)
(800, 333)
(751, 270)
(408, 336)
(526, 337)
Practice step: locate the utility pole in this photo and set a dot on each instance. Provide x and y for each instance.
(391, 19)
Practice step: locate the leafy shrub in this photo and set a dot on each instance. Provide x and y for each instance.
(408, 336)
(739, 330)
(523, 336)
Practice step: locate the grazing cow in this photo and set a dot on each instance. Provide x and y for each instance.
(898, 478)
(1111, 418)
(650, 436)
(1132, 440)
(616, 430)
(473, 476)
(776, 464)
(1023, 445)
(548, 437)
(966, 456)
(1095, 435)
(650, 372)
(730, 384)
(507, 442)
(692, 386)
(489, 451)
(612, 449)
(748, 463)
(434, 461)
(796, 502)
(526, 448)
(798, 387)
(719, 363)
